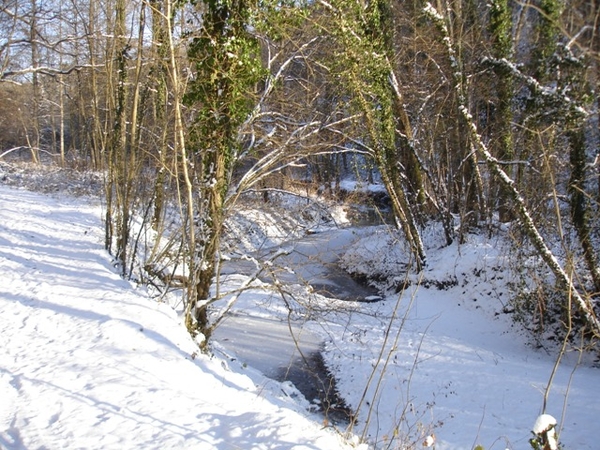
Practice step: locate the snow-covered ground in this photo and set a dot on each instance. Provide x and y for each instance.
(89, 361)
(454, 364)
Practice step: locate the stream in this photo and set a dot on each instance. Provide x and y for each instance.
(283, 350)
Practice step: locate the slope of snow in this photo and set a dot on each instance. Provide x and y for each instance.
(88, 361)
(451, 363)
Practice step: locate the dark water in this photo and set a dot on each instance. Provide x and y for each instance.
(311, 377)
(284, 351)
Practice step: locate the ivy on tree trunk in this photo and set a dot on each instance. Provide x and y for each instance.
(226, 62)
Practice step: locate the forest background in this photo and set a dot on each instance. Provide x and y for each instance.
(482, 116)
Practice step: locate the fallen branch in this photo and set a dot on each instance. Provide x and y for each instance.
(45, 71)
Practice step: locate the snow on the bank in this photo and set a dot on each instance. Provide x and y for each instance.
(89, 361)
(543, 423)
(452, 362)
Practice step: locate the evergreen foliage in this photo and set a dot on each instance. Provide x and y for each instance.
(225, 58)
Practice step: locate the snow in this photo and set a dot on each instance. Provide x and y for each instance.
(543, 423)
(91, 361)
(544, 429)
(457, 361)
(451, 361)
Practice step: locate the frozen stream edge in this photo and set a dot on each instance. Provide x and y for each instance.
(285, 350)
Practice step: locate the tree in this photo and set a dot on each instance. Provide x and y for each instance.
(118, 182)
(226, 61)
(529, 227)
(364, 37)
(573, 66)
(500, 27)
(161, 30)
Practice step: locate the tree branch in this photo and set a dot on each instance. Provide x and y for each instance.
(44, 70)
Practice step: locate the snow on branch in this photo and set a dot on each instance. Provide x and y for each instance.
(548, 93)
(520, 206)
(529, 225)
(247, 284)
(44, 70)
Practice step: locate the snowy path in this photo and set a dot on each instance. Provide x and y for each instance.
(88, 361)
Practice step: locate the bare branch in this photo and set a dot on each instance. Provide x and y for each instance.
(44, 70)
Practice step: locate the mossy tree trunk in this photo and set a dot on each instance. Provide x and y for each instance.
(226, 60)
(500, 27)
(365, 36)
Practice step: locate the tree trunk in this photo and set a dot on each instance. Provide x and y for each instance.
(578, 201)
(534, 235)
(158, 79)
(502, 143)
(225, 58)
(34, 141)
(117, 217)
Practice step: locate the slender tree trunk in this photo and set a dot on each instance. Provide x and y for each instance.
(379, 16)
(595, 9)
(386, 158)
(578, 201)
(158, 78)
(534, 235)
(97, 136)
(61, 125)
(182, 166)
(34, 141)
(572, 79)
(471, 186)
(225, 56)
(367, 41)
(117, 216)
(502, 142)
